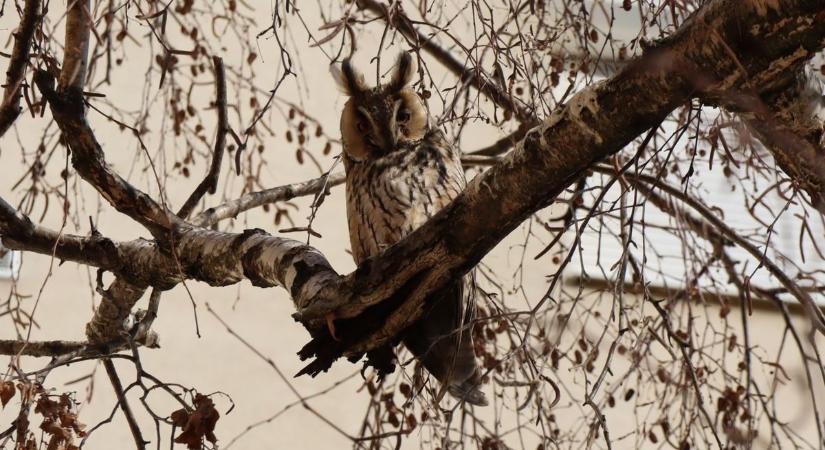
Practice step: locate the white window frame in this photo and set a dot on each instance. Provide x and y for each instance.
(9, 264)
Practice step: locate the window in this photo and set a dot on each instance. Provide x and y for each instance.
(9, 263)
(670, 259)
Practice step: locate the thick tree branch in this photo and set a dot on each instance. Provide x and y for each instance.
(214, 257)
(16, 72)
(109, 319)
(597, 122)
(41, 348)
(18, 232)
(217, 258)
(88, 159)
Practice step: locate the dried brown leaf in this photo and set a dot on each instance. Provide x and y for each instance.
(197, 425)
(6, 392)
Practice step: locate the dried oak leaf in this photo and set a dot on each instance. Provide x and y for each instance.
(6, 392)
(197, 425)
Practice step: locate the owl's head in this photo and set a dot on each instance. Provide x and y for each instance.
(377, 121)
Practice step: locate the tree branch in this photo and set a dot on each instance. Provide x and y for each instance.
(140, 443)
(15, 74)
(76, 45)
(68, 109)
(215, 257)
(19, 233)
(109, 319)
(255, 199)
(88, 159)
(210, 182)
(39, 349)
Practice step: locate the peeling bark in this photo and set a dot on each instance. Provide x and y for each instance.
(214, 257)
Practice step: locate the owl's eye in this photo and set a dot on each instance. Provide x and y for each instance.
(403, 115)
(362, 126)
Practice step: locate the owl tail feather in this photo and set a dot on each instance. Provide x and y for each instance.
(469, 392)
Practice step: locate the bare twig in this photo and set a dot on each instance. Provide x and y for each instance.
(476, 76)
(140, 443)
(255, 199)
(210, 182)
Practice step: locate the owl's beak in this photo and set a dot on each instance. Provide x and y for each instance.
(389, 139)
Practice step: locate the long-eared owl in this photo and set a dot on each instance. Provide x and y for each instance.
(400, 171)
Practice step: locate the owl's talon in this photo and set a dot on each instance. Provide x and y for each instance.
(330, 318)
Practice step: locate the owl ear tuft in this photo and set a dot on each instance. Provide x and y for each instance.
(404, 71)
(348, 79)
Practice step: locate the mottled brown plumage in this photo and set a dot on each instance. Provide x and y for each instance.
(400, 172)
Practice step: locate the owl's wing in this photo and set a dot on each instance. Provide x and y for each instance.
(442, 340)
